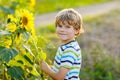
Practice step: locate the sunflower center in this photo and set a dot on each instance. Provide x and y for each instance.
(24, 20)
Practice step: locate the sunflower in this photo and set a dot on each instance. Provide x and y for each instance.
(18, 38)
(10, 18)
(26, 19)
(11, 27)
(32, 3)
(7, 43)
(33, 32)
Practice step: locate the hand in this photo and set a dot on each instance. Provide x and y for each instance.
(44, 66)
(51, 66)
(60, 75)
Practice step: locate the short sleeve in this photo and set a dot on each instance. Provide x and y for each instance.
(67, 59)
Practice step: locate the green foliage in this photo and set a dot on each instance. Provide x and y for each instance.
(16, 72)
(101, 66)
(19, 52)
(54, 5)
(4, 33)
(46, 29)
(9, 7)
(7, 54)
(100, 56)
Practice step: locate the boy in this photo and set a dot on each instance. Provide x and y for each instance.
(67, 61)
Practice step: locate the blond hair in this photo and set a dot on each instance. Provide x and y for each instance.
(70, 16)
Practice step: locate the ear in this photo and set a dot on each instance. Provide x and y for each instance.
(77, 31)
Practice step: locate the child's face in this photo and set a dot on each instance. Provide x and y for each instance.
(66, 32)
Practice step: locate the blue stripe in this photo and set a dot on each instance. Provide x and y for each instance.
(68, 56)
(70, 47)
(54, 70)
(79, 59)
(58, 58)
(57, 62)
(73, 77)
(61, 48)
(74, 73)
(66, 61)
(77, 63)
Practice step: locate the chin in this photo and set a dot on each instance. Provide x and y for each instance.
(63, 39)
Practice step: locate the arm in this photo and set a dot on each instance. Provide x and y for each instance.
(60, 75)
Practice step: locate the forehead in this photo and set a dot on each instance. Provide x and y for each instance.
(67, 23)
(66, 18)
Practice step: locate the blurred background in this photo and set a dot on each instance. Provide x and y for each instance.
(100, 42)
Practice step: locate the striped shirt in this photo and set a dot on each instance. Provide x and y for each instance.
(69, 56)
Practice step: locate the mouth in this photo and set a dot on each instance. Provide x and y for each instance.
(62, 34)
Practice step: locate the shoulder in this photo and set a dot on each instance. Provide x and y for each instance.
(73, 45)
(71, 49)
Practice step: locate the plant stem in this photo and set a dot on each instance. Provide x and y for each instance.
(13, 39)
(35, 47)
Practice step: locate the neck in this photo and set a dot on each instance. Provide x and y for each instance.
(67, 41)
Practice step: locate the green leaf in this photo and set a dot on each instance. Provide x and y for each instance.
(34, 72)
(20, 30)
(6, 54)
(17, 61)
(7, 10)
(16, 72)
(25, 61)
(28, 59)
(4, 33)
(28, 49)
(22, 60)
(27, 35)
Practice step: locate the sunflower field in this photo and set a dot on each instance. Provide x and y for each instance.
(19, 52)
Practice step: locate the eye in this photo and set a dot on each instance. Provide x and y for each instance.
(60, 26)
(68, 27)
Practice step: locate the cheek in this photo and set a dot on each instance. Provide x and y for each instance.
(72, 31)
(75, 32)
(57, 30)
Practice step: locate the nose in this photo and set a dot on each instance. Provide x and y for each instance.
(62, 29)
